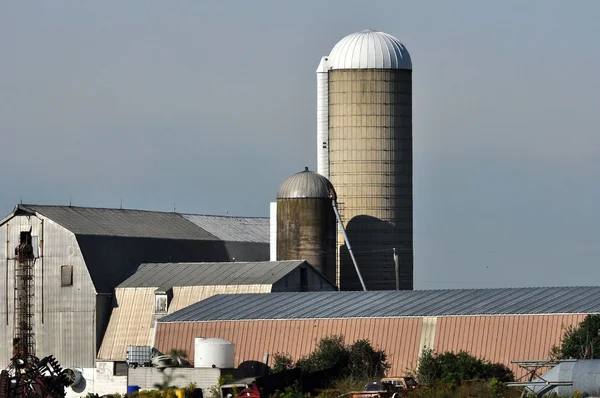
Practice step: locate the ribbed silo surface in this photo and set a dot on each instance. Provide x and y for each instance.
(370, 160)
(306, 224)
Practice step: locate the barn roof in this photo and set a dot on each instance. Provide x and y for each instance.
(166, 275)
(391, 304)
(153, 224)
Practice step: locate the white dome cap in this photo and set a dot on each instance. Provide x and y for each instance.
(369, 49)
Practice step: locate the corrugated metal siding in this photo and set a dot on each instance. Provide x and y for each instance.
(503, 338)
(65, 317)
(131, 322)
(399, 337)
(495, 338)
(506, 301)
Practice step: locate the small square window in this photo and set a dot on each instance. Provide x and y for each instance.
(66, 275)
(120, 369)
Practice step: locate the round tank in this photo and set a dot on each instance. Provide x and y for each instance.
(584, 374)
(306, 223)
(366, 139)
(213, 353)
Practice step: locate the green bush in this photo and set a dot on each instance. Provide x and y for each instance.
(452, 369)
(359, 360)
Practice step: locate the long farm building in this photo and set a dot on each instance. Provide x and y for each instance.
(500, 325)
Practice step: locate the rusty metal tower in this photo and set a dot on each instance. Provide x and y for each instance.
(24, 339)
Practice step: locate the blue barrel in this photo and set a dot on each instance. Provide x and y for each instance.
(132, 389)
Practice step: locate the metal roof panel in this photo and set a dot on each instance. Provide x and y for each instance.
(166, 275)
(417, 303)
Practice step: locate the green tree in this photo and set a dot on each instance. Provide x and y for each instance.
(366, 362)
(581, 342)
(330, 351)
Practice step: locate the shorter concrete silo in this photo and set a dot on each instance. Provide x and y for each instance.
(306, 223)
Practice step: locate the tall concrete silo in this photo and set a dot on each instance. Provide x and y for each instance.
(306, 223)
(364, 133)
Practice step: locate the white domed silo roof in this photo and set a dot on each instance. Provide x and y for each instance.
(305, 184)
(369, 49)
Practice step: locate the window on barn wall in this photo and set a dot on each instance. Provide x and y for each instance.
(66, 275)
(160, 303)
(120, 369)
(35, 242)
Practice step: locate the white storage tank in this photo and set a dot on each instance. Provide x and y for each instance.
(213, 353)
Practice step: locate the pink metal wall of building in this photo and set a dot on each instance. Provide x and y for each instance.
(495, 338)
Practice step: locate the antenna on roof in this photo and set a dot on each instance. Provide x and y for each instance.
(70, 200)
(21, 199)
(173, 206)
(121, 203)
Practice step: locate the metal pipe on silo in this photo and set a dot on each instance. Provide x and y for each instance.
(339, 218)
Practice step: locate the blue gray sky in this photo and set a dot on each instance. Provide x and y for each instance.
(211, 105)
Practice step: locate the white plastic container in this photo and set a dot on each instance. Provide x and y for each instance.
(213, 353)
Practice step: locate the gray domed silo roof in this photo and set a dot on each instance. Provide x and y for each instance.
(305, 184)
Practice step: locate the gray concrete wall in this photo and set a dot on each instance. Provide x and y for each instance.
(146, 378)
(370, 154)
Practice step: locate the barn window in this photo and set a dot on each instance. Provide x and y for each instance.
(35, 243)
(120, 369)
(160, 303)
(66, 275)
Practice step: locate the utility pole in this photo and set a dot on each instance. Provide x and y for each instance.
(397, 267)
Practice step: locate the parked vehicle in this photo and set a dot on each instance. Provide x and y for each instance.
(388, 387)
(400, 383)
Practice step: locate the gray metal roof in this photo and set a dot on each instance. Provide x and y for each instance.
(152, 224)
(305, 184)
(233, 229)
(389, 304)
(167, 275)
